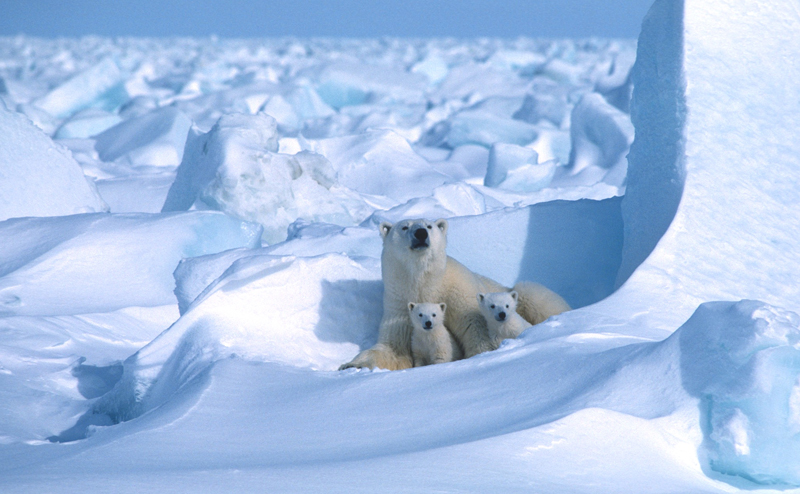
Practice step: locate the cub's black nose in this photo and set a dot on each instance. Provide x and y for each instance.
(502, 316)
(421, 234)
(428, 324)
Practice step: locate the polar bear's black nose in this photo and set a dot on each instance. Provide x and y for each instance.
(502, 316)
(428, 324)
(421, 234)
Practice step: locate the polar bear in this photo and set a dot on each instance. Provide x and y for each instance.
(431, 342)
(500, 311)
(416, 268)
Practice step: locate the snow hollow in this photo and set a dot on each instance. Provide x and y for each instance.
(189, 249)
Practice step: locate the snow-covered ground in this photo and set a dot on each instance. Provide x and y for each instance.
(189, 250)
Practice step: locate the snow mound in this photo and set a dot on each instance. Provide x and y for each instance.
(332, 302)
(37, 176)
(99, 262)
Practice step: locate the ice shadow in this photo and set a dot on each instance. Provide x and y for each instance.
(93, 382)
(350, 311)
(572, 247)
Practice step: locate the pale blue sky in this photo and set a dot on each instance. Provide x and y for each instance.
(349, 18)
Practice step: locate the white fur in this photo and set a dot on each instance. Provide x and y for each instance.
(413, 272)
(431, 342)
(500, 311)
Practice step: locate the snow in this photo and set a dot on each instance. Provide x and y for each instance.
(189, 339)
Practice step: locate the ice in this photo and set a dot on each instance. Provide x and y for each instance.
(648, 385)
(693, 161)
(235, 168)
(434, 67)
(346, 84)
(37, 176)
(156, 138)
(742, 360)
(481, 127)
(517, 168)
(100, 86)
(601, 136)
(379, 162)
(86, 123)
(51, 266)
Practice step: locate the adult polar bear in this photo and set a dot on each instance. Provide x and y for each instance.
(416, 268)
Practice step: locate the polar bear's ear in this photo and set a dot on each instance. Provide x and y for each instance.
(514, 295)
(384, 228)
(480, 298)
(442, 225)
(443, 307)
(411, 306)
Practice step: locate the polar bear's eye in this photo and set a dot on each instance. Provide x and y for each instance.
(492, 306)
(430, 227)
(420, 315)
(506, 306)
(434, 315)
(405, 228)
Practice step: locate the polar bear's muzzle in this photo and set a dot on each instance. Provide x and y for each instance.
(420, 239)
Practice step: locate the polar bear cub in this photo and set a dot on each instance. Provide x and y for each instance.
(431, 342)
(500, 311)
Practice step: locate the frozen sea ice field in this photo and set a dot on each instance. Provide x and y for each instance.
(189, 250)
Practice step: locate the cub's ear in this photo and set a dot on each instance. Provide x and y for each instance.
(480, 298)
(442, 225)
(443, 307)
(411, 306)
(384, 228)
(514, 295)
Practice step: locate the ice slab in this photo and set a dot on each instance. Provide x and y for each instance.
(100, 262)
(100, 86)
(87, 123)
(156, 138)
(37, 176)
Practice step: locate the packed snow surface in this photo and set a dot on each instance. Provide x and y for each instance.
(190, 250)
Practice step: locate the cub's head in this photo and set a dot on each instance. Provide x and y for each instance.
(426, 316)
(418, 235)
(498, 305)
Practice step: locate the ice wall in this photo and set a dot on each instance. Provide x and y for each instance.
(716, 114)
(37, 176)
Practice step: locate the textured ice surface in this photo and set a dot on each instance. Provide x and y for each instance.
(37, 176)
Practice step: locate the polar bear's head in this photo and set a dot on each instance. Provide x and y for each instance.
(416, 235)
(497, 306)
(426, 316)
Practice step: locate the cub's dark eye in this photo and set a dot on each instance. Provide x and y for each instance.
(420, 315)
(405, 228)
(429, 227)
(506, 306)
(492, 306)
(434, 315)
